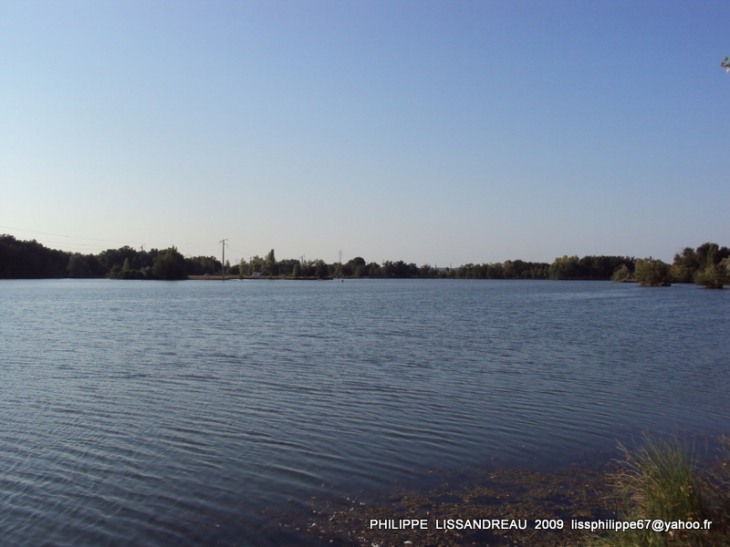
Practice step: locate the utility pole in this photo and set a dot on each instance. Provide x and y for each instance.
(223, 258)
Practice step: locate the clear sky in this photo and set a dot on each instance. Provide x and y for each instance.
(432, 132)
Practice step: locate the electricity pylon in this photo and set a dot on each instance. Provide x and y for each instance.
(223, 258)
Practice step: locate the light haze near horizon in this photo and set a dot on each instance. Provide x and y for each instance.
(430, 132)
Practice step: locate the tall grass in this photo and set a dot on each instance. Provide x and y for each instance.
(662, 481)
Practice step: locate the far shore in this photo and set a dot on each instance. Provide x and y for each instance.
(237, 278)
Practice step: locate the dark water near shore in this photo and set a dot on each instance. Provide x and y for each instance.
(145, 413)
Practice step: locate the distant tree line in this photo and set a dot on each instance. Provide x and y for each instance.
(31, 260)
(707, 265)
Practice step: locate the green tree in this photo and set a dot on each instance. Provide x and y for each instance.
(322, 270)
(425, 271)
(270, 265)
(243, 269)
(357, 267)
(30, 259)
(564, 268)
(685, 266)
(622, 274)
(691, 264)
(713, 276)
(116, 257)
(256, 265)
(169, 265)
(84, 266)
(652, 273)
(373, 270)
(201, 265)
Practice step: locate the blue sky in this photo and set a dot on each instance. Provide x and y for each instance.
(432, 132)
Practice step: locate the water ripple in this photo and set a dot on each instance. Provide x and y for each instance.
(147, 413)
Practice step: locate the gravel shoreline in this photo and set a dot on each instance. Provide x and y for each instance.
(515, 498)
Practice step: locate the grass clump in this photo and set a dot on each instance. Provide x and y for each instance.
(662, 481)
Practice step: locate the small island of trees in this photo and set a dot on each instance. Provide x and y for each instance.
(708, 265)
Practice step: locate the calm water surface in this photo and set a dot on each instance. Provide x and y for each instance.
(145, 413)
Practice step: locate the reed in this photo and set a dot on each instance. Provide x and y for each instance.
(662, 481)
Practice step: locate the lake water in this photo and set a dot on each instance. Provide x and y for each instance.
(145, 413)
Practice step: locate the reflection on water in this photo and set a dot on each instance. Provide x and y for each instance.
(143, 413)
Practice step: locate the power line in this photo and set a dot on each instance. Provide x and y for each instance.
(62, 235)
